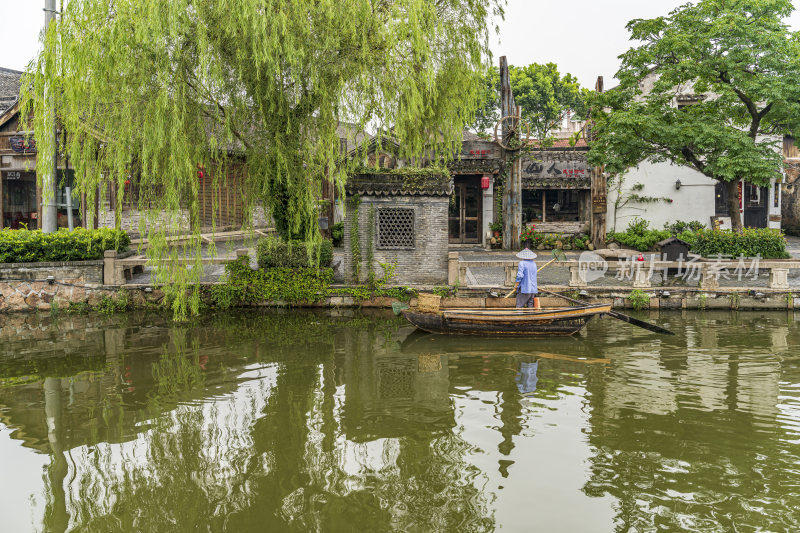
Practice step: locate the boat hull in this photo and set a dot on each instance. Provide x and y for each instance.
(506, 322)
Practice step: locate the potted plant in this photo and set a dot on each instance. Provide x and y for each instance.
(528, 237)
(497, 228)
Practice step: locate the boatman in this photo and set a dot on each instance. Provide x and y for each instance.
(526, 280)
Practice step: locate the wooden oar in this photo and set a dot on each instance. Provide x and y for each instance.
(558, 255)
(619, 316)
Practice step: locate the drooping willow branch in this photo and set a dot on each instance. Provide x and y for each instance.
(159, 88)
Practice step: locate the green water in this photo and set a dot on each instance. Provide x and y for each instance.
(315, 422)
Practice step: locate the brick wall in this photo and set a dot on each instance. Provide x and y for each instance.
(426, 263)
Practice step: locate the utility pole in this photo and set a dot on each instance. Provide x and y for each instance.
(50, 179)
(512, 188)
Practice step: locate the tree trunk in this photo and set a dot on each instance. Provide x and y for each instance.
(733, 205)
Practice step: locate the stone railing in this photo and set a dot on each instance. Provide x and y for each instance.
(707, 273)
(117, 271)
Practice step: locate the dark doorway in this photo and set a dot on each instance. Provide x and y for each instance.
(464, 214)
(721, 200)
(755, 206)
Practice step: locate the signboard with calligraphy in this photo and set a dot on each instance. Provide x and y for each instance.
(479, 150)
(22, 145)
(554, 169)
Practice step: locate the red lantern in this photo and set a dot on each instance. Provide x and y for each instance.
(485, 182)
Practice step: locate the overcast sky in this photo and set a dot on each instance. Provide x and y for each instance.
(583, 37)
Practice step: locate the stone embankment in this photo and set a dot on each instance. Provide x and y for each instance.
(44, 286)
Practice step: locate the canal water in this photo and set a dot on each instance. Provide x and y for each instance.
(303, 421)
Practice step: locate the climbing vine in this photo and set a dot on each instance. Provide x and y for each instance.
(370, 243)
(175, 96)
(355, 246)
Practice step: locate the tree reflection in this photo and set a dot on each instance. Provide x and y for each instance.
(287, 422)
(697, 445)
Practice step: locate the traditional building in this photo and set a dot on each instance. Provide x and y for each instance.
(20, 198)
(681, 193)
(221, 200)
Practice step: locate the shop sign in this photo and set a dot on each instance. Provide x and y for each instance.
(22, 145)
(13, 175)
(552, 169)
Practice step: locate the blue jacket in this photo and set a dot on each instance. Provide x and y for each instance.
(526, 277)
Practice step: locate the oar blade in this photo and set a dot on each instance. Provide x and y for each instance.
(641, 323)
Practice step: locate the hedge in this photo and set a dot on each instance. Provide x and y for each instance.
(273, 252)
(751, 242)
(33, 246)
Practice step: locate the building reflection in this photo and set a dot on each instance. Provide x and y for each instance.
(688, 432)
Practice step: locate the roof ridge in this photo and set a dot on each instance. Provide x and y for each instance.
(11, 70)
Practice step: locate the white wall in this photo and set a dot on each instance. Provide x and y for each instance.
(694, 200)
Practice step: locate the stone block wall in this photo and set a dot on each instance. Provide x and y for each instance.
(24, 286)
(131, 218)
(425, 263)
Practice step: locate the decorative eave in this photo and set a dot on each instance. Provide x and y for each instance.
(399, 184)
(577, 183)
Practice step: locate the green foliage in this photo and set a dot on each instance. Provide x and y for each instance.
(751, 242)
(639, 299)
(444, 291)
(273, 252)
(78, 308)
(337, 233)
(150, 90)
(244, 285)
(639, 236)
(680, 226)
(747, 100)
(118, 303)
(24, 246)
(371, 244)
(355, 244)
(544, 94)
(735, 299)
(292, 285)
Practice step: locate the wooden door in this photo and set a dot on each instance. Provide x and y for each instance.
(755, 206)
(464, 214)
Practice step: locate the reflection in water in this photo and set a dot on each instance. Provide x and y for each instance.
(309, 421)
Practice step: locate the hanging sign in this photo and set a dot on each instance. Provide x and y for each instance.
(22, 145)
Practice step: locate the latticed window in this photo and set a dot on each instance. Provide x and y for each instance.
(395, 229)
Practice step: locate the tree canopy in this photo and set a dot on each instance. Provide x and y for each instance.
(156, 88)
(737, 65)
(544, 94)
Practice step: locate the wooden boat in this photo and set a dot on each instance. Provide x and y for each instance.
(506, 321)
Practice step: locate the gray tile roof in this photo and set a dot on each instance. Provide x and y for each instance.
(9, 87)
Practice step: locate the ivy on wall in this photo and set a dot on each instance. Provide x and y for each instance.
(355, 246)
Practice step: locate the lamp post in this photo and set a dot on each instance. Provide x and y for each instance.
(50, 180)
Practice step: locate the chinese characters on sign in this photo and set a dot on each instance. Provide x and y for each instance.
(553, 169)
(22, 145)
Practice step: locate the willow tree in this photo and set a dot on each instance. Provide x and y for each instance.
(738, 61)
(159, 88)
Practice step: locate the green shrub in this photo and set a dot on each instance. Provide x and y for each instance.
(273, 252)
(639, 236)
(680, 226)
(639, 299)
(751, 242)
(292, 285)
(30, 246)
(337, 233)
